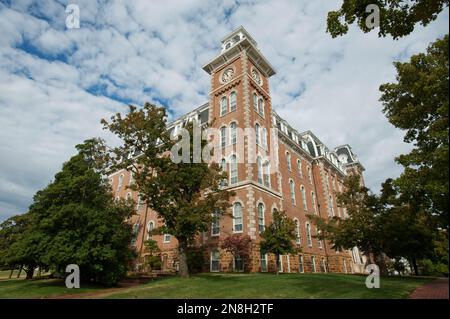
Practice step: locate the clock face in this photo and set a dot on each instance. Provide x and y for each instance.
(256, 77)
(343, 158)
(227, 75)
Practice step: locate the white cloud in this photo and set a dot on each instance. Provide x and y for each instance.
(153, 51)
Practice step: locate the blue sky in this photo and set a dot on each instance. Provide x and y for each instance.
(56, 84)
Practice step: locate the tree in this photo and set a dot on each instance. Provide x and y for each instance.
(76, 221)
(361, 229)
(279, 237)
(397, 18)
(183, 195)
(239, 246)
(418, 104)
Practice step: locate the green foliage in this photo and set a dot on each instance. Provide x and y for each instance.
(74, 220)
(418, 104)
(151, 246)
(279, 237)
(154, 262)
(397, 17)
(184, 195)
(195, 259)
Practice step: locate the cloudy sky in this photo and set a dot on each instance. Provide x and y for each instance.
(57, 83)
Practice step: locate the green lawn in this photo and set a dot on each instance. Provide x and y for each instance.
(229, 286)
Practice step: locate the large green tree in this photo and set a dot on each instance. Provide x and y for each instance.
(74, 220)
(397, 17)
(418, 104)
(184, 195)
(279, 237)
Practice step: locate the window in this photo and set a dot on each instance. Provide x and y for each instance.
(313, 263)
(238, 264)
(215, 261)
(302, 190)
(280, 263)
(223, 136)
(130, 181)
(135, 234)
(308, 234)
(297, 231)
(139, 203)
(233, 170)
(167, 238)
(323, 265)
(264, 137)
(309, 175)
(233, 133)
(255, 102)
(266, 174)
(299, 168)
(215, 227)
(237, 218)
(301, 267)
(257, 134)
(259, 169)
(263, 262)
(292, 190)
(150, 227)
(313, 200)
(261, 106)
(288, 161)
(223, 168)
(233, 101)
(119, 184)
(223, 106)
(261, 219)
(128, 197)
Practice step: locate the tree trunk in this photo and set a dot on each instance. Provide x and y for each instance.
(30, 272)
(277, 260)
(416, 269)
(11, 273)
(20, 271)
(183, 271)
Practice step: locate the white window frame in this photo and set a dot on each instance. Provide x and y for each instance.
(261, 216)
(211, 261)
(234, 173)
(313, 263)
(308, 235)
(292, 192)
(233, 133)
(298, 239)
(120, 182)
(167, 238)
(241, 218)
(303, 194)
(233, 94)
(223, 107)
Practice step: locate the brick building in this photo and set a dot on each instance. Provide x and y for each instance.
(301, 175)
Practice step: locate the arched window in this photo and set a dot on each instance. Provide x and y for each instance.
(135, 234)
(233, 170)
(233, 101)
(223, 106)
(237, 218)
(297, 231)
(259, 169)
(264, 137)
(288, 161)
(255, 102)
(128, 197)
(257, 134)
(313, 263)
(119, 184)
(150, 227)
(139, 203)
(223, 136)
(261, 106)
(215, 261)
(266, 174)
(261, 219)
(299, 168)
(308, 234)
(313, 200)
(309, 175)
(215, 226)
(302, 190)
(292, 190)
(233, 133)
